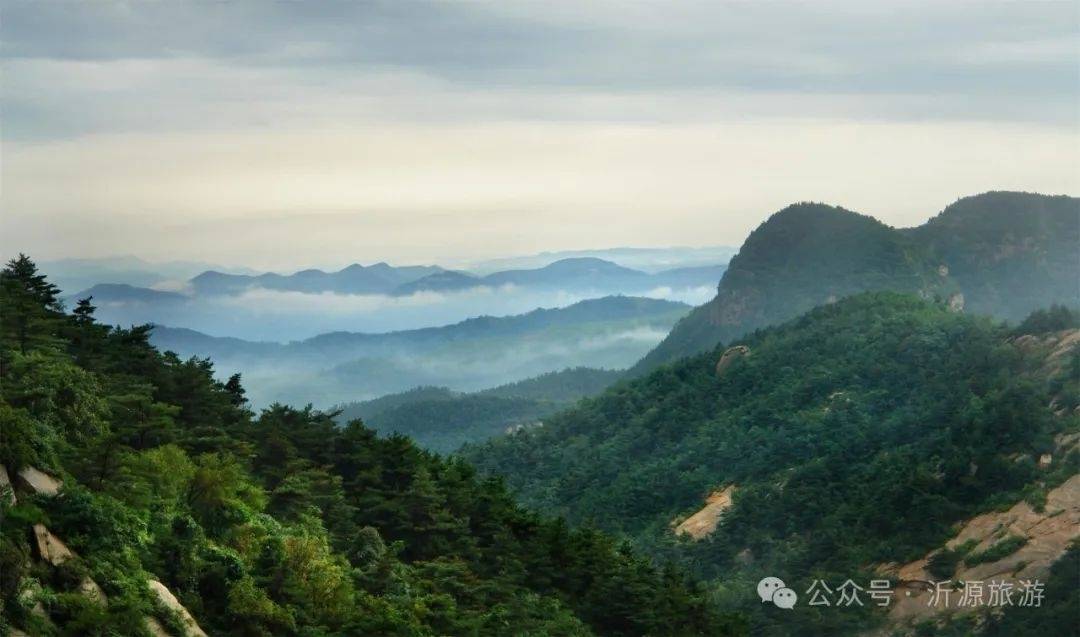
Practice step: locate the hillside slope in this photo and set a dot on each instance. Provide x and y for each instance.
(442, 420)
(148, 500)
(857, 434)
(1007, 253)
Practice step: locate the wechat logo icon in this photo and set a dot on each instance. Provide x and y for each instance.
(773, 589)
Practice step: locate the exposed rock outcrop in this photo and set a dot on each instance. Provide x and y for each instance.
(39, 482)
(165, 596)
(50, 548)
(956, 302)
(1047, 536)
(729, 356)
(704, 522)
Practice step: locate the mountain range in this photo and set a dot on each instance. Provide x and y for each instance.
(999, 253)
(477, 353)
(570, 274)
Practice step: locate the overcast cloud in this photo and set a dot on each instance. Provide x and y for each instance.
(287, 134)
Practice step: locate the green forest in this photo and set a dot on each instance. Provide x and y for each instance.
(857, 434)
(442, 420)
(276, 523)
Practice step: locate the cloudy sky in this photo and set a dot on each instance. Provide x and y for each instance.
(293, 134)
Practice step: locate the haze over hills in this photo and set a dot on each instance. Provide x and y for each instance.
(78, 274)
(380, 297)
(645, 259)
(477, 353)
(1006, 253)
(380, 278)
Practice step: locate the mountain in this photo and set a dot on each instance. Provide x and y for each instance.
(382, 298)
(571, 274)
(439, 282)
(442, 420)
(379, 278)
(805, 255)
(474, 354)
(1009, 252)
(1005, 253)
(644, 259)
(79, 274)
(582, 274)
(122, 293)
(704, 275)
(140, 496)
(849, 443)
(579, 272)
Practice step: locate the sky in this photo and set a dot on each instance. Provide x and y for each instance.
(284, 135)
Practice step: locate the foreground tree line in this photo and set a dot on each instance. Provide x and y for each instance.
(274, 523)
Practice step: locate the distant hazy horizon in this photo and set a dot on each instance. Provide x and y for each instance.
(284, 135)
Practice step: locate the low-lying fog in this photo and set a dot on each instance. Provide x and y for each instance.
(274, 315)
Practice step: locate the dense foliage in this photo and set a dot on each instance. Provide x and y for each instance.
(444, 424)
(564, 386)
(1053, 319)
(856, 434)
(272, 524)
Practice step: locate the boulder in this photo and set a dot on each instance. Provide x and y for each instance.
(165, 596)
(49, 547)
(39, 481)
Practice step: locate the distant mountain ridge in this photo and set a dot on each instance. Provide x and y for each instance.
(574, 273)
(581, 274)
(478, 353)
(379, 278)
(999, 253)
(124, 293)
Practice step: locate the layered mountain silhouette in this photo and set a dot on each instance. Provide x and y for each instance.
(1000, 253)
(578, 274)
(380, 278)
(477, 353)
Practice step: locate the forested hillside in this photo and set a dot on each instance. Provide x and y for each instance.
(442, 420)
(135, 472)
(856, 435)
(1009, 252)
(1003, 254)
